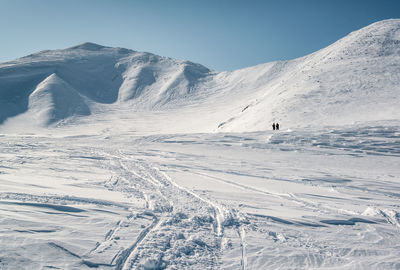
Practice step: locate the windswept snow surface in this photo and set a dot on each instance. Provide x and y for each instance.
(310, 199)
(116, 159)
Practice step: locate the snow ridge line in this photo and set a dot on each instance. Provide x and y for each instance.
(65, 250)
(56, 198)
(391, 217)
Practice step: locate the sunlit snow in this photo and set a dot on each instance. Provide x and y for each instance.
(116, 159)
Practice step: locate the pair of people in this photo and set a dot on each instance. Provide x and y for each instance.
(275, 126)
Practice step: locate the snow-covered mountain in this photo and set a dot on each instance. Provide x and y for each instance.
(113, 159)
(356, 79)
(89, 74)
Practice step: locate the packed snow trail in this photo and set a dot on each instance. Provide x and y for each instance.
(305, 199)
(116, 159)
(183, 224)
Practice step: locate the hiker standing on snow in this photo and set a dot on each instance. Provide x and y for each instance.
(277, 126)
(273, 126)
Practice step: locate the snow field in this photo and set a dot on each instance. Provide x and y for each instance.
(215, 201)
(116, 159)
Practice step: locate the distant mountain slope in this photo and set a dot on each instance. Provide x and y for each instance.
(354, 80)
(99, 74)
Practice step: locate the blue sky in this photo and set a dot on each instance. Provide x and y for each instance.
(220, 34)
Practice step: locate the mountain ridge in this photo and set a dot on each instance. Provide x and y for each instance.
(332, 86)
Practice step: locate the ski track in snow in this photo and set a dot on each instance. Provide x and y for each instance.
(129, 256)
(116, 159)
(164, 199)
(184, 206)
(242, 235)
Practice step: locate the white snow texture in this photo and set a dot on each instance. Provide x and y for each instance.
(117, 159)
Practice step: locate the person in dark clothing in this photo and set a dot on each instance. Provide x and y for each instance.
(273, 126)
(277, 126)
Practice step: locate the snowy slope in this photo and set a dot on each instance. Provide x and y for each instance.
(54, 100)
(354, 80)
(116, 159)
(101, 75)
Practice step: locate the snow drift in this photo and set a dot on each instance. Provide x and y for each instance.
(354, 80)
(53, 100)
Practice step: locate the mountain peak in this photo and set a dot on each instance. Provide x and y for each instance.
(89, 46)
(354, 80)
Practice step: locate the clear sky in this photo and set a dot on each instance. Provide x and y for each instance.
(220, 34)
